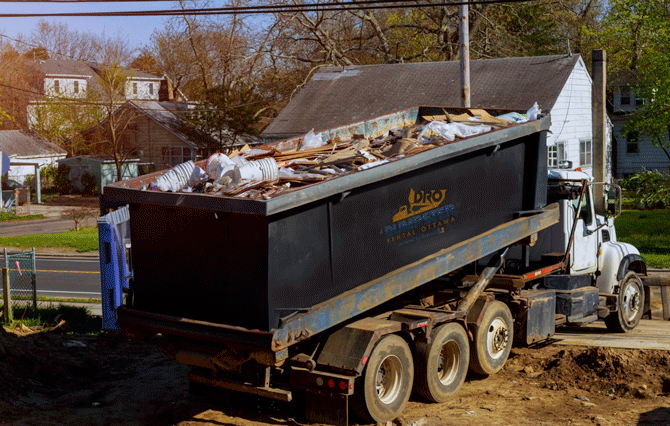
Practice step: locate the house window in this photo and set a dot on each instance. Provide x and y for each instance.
(176, 155)
(134, 88)
(57, 86)
(76, 87)
(555, 154)
(633, 142)
(151, 88)
(625, 95)
(585, 152)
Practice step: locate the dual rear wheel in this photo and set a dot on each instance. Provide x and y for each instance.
(435, 370)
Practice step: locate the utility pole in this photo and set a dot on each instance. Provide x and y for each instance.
(464, 29)
(599, 61)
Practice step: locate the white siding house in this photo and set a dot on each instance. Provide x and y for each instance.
(142, 88)
(571, 130)
(68, 79)
(66, 86)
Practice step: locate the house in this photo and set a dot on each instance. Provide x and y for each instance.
(69, 79)
(27, 152)
(102, 167)
(72, 79)
(155, 133)
(560, 84)
(632, 153)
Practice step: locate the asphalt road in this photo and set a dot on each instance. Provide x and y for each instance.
(68, 277)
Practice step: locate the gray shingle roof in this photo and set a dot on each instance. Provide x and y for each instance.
(64, 67)
(22, 144)
(337, 96)
(83, 68)
(165, 115)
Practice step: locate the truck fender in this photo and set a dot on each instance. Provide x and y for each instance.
(632, 262)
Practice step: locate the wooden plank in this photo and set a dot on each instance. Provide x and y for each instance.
(650, 334)
(665, 301)
(656, 280)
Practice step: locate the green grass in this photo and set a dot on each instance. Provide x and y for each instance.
(6, 216)
(649, 231)
(59, 299)
(84, 240)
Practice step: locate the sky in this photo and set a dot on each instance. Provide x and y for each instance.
(137, 30)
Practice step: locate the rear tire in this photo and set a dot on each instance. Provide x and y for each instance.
(492, 339)
(441, 365)
(386, 384)
(630, 307)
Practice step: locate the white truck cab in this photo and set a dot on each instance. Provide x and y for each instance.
(594, 249)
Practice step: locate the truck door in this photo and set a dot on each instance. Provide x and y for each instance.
(584, 253)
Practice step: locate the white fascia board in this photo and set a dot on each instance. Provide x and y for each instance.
(145, 78)
(67, 76)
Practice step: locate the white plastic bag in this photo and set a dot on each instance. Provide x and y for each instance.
(449, 131)
(311, 141)
(533, 112)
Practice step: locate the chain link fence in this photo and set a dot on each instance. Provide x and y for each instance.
(22, 280)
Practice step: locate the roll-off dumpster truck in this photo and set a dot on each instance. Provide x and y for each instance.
(359, 290)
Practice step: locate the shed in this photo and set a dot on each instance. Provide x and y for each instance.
(560, 84)
(102, 167)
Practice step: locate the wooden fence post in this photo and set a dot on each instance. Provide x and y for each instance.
(6, 295)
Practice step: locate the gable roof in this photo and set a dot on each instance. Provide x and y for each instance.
(64, 67)
(337, 96)
(22, 144)
(166, 115)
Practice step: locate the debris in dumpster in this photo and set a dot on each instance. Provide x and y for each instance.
(181, 178)
(266, 172)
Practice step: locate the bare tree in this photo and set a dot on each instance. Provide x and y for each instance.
(62, 43)
(112, 135)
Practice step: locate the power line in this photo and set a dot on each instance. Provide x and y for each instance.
(332, 6)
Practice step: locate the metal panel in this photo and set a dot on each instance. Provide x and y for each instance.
(198, 264)
(381, 227)
(383, 289)
(568, 282)
(577, 304)
(539, 322)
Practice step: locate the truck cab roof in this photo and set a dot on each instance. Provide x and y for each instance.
(565, 174)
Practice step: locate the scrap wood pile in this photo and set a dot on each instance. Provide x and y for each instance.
(265, 172)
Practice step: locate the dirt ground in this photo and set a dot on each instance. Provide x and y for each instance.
(56, 379)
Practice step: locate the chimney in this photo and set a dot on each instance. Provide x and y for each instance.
(599, 61)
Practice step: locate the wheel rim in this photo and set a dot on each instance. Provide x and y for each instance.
(631, 302)
(497, 337)
(389, 379)
(450, 360)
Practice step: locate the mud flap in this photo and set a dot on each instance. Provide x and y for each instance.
(326, 407)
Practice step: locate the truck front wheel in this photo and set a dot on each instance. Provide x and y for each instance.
(631, 302)
(442, 364)
(492, 339)
(384, 389)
